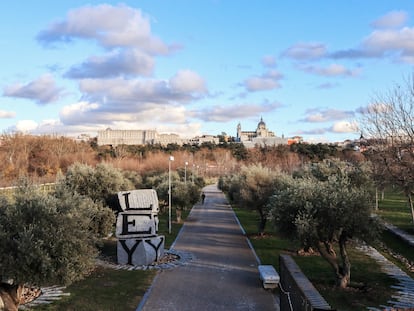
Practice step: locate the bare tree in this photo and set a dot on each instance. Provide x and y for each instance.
(388, 123)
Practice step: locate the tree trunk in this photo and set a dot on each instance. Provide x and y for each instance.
(328, 253)
(10, 296)
(342, 273)
(262, 226)
(262, 223)
(178, 215)
(410, 202)
(345, 279)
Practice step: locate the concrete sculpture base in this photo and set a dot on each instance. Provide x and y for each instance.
(139, 252)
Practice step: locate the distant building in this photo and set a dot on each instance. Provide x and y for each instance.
(198, 140)
(165, 139)
(126, 137)
(261, 137)
(145, 137)
(83, 137)
(295, 140)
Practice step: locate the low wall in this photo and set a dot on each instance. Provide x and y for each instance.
(296, 291)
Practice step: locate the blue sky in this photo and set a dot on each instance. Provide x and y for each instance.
(200, 67)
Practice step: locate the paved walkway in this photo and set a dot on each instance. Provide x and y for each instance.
(223, 272)
(403, 299)
(409, 238)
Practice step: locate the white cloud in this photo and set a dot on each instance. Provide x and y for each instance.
(268, 81)
(26, 126)
(345, 127)
(77, 113)
(184, 87)
(42, 90)
(187, 81)
(382, 41)
(306, 51)
(148, 116)
(187, 130)
(7, 114)
(111, 26)
(269, 61)
(376, 108)
(325, 115)
(54, 127)
(224, 113)
(396, 44)
(116, 63)
(331, 71)
(318, 117)
(392, 19)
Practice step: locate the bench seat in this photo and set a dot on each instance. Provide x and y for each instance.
(269, 276)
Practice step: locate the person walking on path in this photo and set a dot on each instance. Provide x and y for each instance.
(203, 197)
(222, 274)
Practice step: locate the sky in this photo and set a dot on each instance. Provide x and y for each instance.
(308, 68)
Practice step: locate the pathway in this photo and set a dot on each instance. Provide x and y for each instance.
(222, 274)
(404, 297)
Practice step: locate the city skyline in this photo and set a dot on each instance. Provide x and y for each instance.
(200, 67)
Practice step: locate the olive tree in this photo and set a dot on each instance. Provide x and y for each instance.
(100, 183)
(257, 185)
(48, 239)
(326, 213)
(388, 124)
(183, 194)
(231, 185)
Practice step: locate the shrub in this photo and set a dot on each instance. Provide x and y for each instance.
(49, 239)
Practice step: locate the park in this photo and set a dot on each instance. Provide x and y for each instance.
(334, 212)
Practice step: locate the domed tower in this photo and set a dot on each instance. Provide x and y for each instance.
(261, 124)
(261, 130)
(239, 132)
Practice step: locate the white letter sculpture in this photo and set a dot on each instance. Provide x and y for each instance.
(137, 227)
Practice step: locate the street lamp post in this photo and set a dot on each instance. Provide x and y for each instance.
(169, 193)
(185, 173)
(192, 173)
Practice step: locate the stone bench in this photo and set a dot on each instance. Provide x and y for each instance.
(269, 276)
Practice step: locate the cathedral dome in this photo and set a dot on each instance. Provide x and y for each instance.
(261, 124)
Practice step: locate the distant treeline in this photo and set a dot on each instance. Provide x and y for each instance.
(42, 158)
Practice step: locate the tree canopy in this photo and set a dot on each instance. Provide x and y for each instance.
(324, 210)
(49, 238)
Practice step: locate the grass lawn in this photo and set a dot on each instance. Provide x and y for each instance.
(105, 289)
(369, 287)
(394, 209)
(109, 289)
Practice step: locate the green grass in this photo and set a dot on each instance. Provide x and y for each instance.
(108, 289)
(394, 209)
(105, 289)
(175, 227)
(369, 286)
(267, 247)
